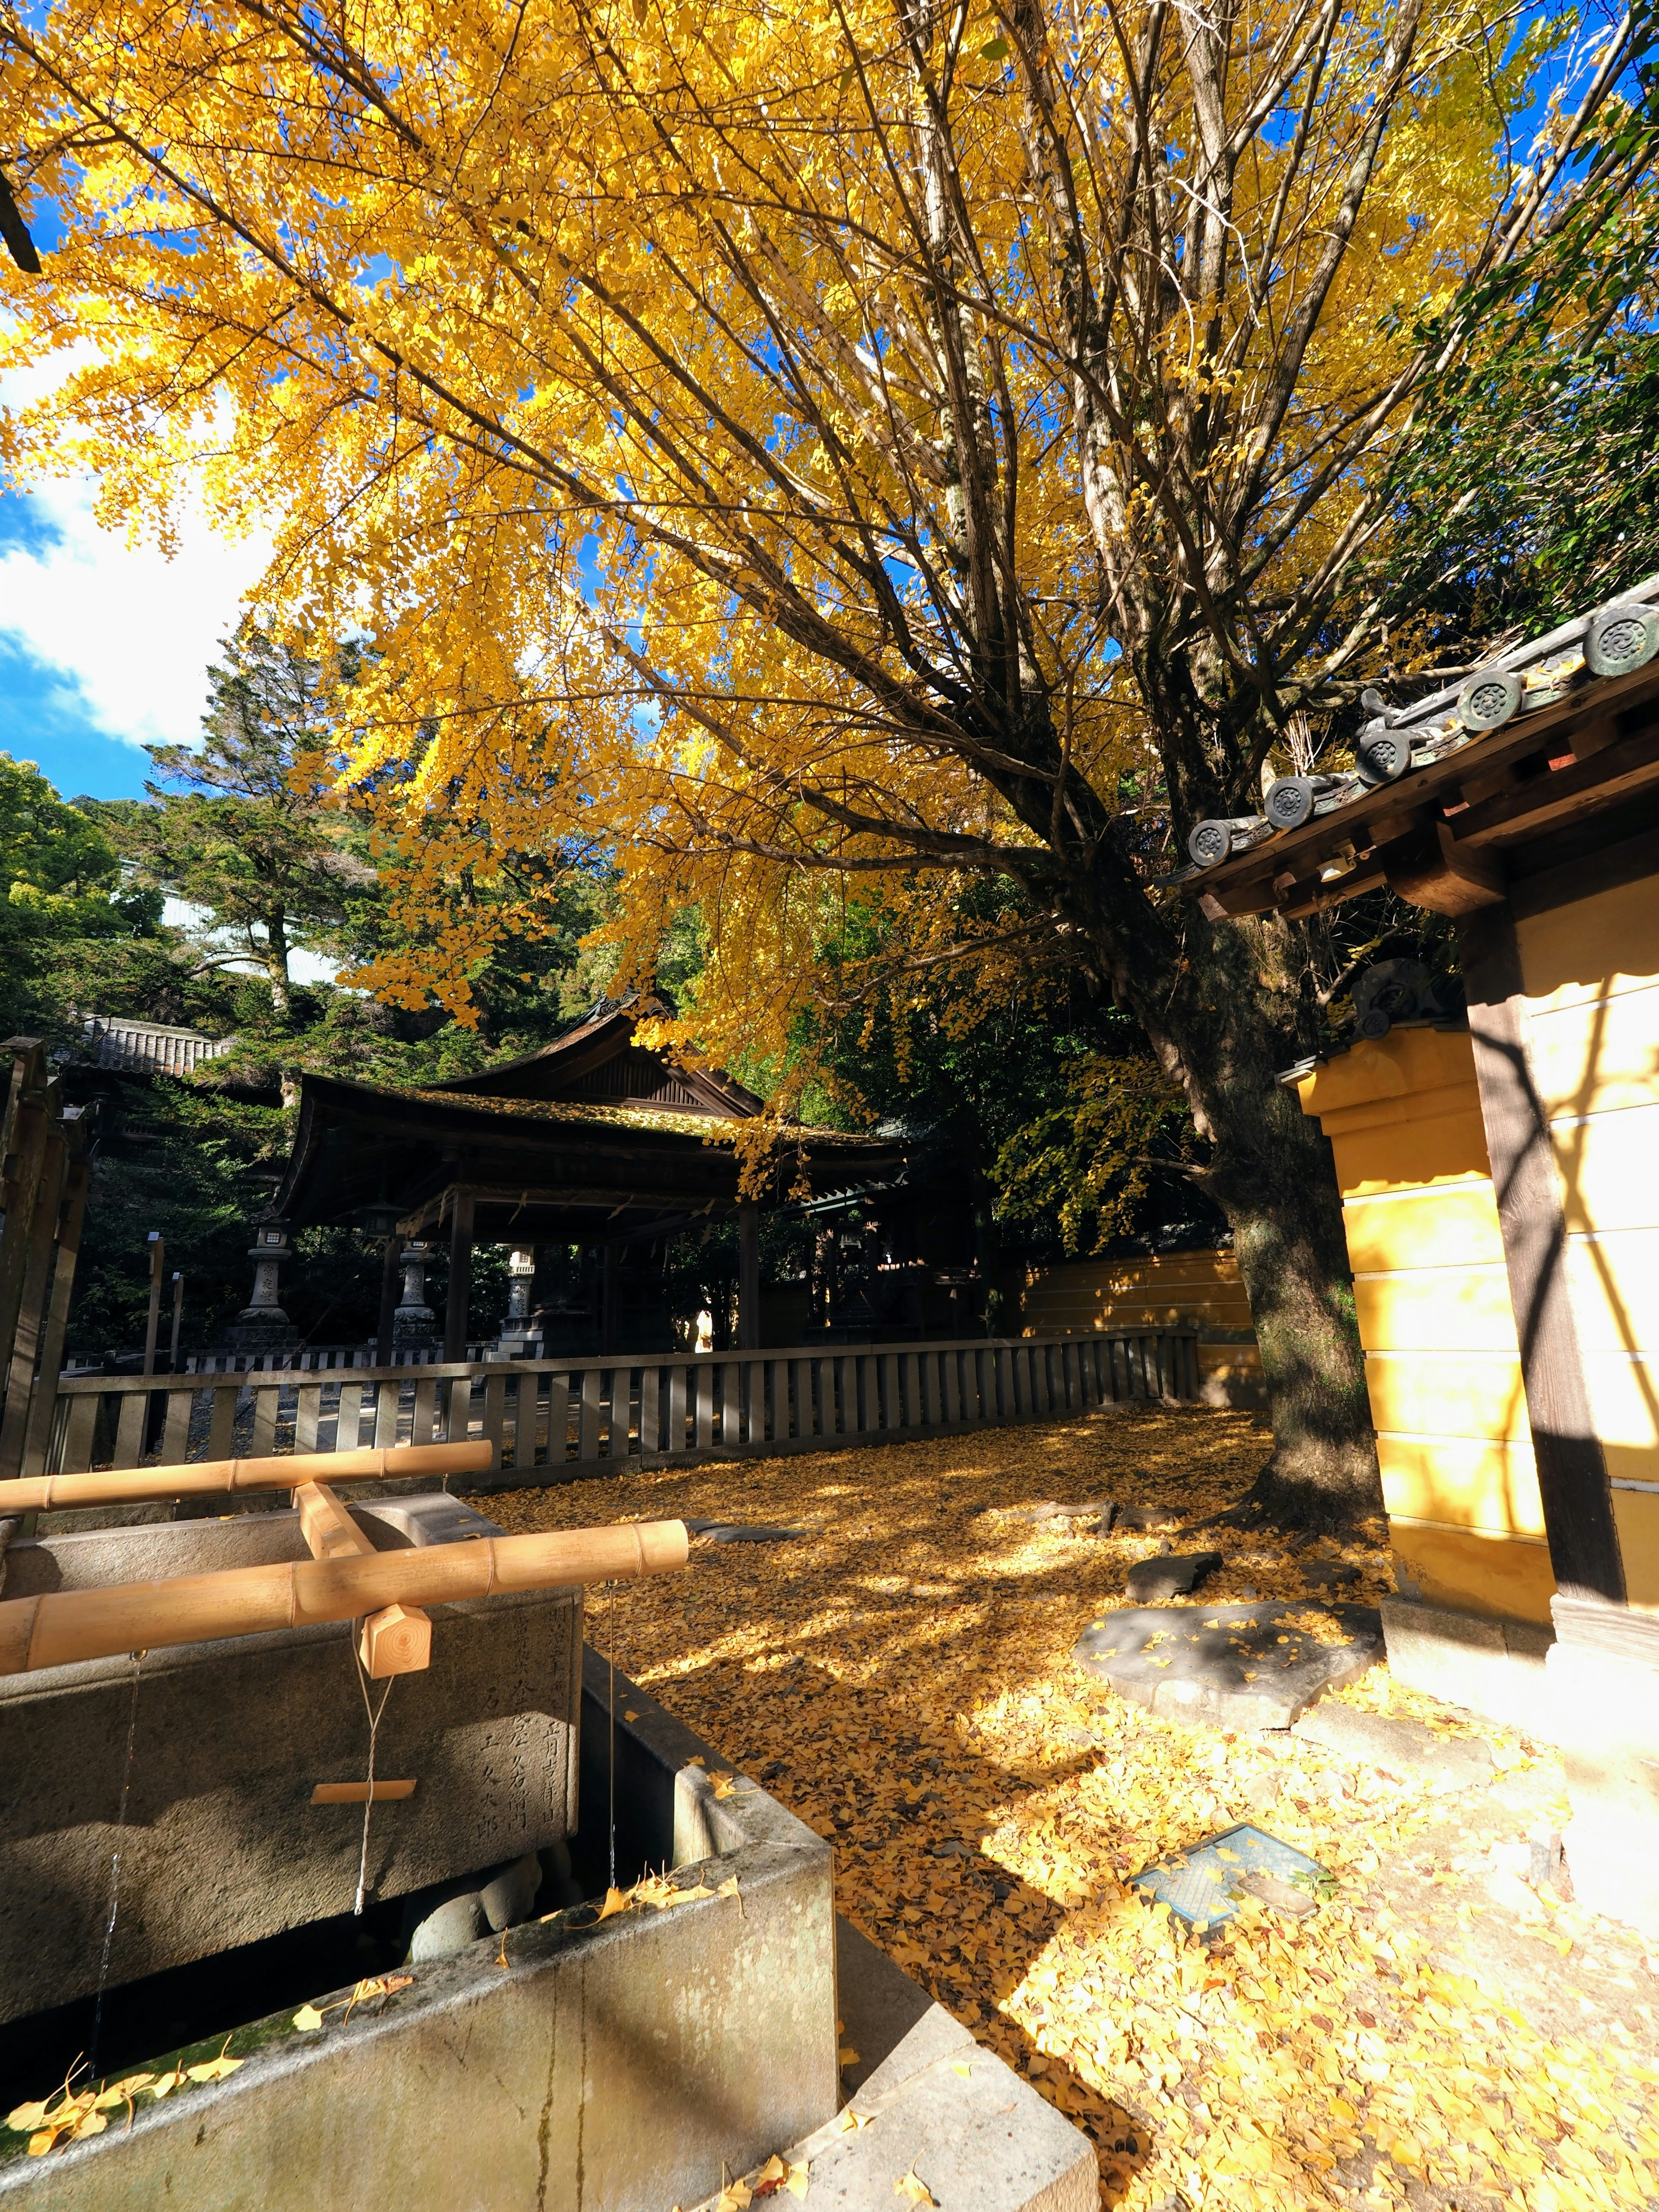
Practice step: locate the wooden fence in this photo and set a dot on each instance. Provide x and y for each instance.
(551, 1420)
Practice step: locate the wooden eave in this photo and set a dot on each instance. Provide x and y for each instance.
(1449, 835)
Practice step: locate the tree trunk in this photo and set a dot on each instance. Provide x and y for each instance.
(1222, 1011)
(277, 960)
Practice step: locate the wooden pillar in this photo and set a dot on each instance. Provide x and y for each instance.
(610, 1301)
(391, 1282)
(748, 1278)
(457, 1306)
(38, 1230)
(1572, 1474)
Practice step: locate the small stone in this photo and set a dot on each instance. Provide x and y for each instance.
(511, 1897)
(1153, 1581)
(1149, 1516)
(1281, 1896)
(450, 1928)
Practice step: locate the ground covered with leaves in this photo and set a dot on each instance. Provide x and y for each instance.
(1440, 2034)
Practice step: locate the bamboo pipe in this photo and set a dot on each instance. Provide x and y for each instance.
(135, 1486)
(60, 1626)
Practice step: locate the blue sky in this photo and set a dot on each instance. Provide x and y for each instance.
(104, 646)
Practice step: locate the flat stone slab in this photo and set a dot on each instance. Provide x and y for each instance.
(1149, 1516)
(936, 2103)
(743, 1532)
(1233, 1666)
(1327, 1574)
(1178, 1574)
(1400, 1746)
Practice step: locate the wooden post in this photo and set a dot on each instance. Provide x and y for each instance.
(749, 1330)
(391, 1271)
(39, 1440)
(457, 1305)
(40, 1230)
(157, 1251)
(610, 1301)
(1573, 1474)
(22, 1154)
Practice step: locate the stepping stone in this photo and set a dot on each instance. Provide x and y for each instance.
(1151, 1581)
(1149, 1516)
(1088, 1509)
(1400, 1747)
(1327, 1573)
(1232, 1665)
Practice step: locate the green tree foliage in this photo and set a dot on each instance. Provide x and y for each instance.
(1527, 489)
(1045, 1092)
(64, 904)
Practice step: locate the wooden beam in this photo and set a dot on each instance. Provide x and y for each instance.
(136, 1485)
(37, 1442)
(359, 1792)
(1429, 868)
(58, 1628)
(1572, 1475)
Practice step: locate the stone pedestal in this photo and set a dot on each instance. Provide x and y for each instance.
(262, 1326)
(1603, 1674)
(1493, 1667)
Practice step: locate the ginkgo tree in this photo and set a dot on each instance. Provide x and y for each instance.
(804, 444)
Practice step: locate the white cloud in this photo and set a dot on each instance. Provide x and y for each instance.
(131, 633)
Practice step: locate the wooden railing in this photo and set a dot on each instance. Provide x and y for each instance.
(552, 1419)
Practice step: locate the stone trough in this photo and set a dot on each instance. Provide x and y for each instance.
(618, 2063)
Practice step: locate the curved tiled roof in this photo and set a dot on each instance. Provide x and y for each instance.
(1477, 750)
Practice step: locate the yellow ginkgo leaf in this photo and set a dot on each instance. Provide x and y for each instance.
(616, 1900)
(914, 2189)
(797, 2182)
(164, 2084)
(773, 2170)
(853, 2122)
(736, 2196)
(307, 2018)
(961, 2066)
(40, 2144)
(89, 2124)
(213, 2069)
(846, 2055)
(729, 1887)
(23, 2117)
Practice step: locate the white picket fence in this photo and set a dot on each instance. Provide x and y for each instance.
(553, 1419)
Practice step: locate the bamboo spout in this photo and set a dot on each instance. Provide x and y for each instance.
(61, 1626)
(137, 1486)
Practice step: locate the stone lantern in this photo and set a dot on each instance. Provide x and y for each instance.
(520, 1277)
(262, 1326)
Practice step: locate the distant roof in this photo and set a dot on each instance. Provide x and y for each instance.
(596, 1062)
(1518, 766)
(148, 1047)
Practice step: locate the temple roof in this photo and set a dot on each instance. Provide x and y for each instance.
(544, 1169)
(598, 1062)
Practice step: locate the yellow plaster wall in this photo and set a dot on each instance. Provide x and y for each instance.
(1591, 974)
(1431, 1294)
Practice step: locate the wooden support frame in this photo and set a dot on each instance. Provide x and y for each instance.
(396, 1639)
(58, 1628)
